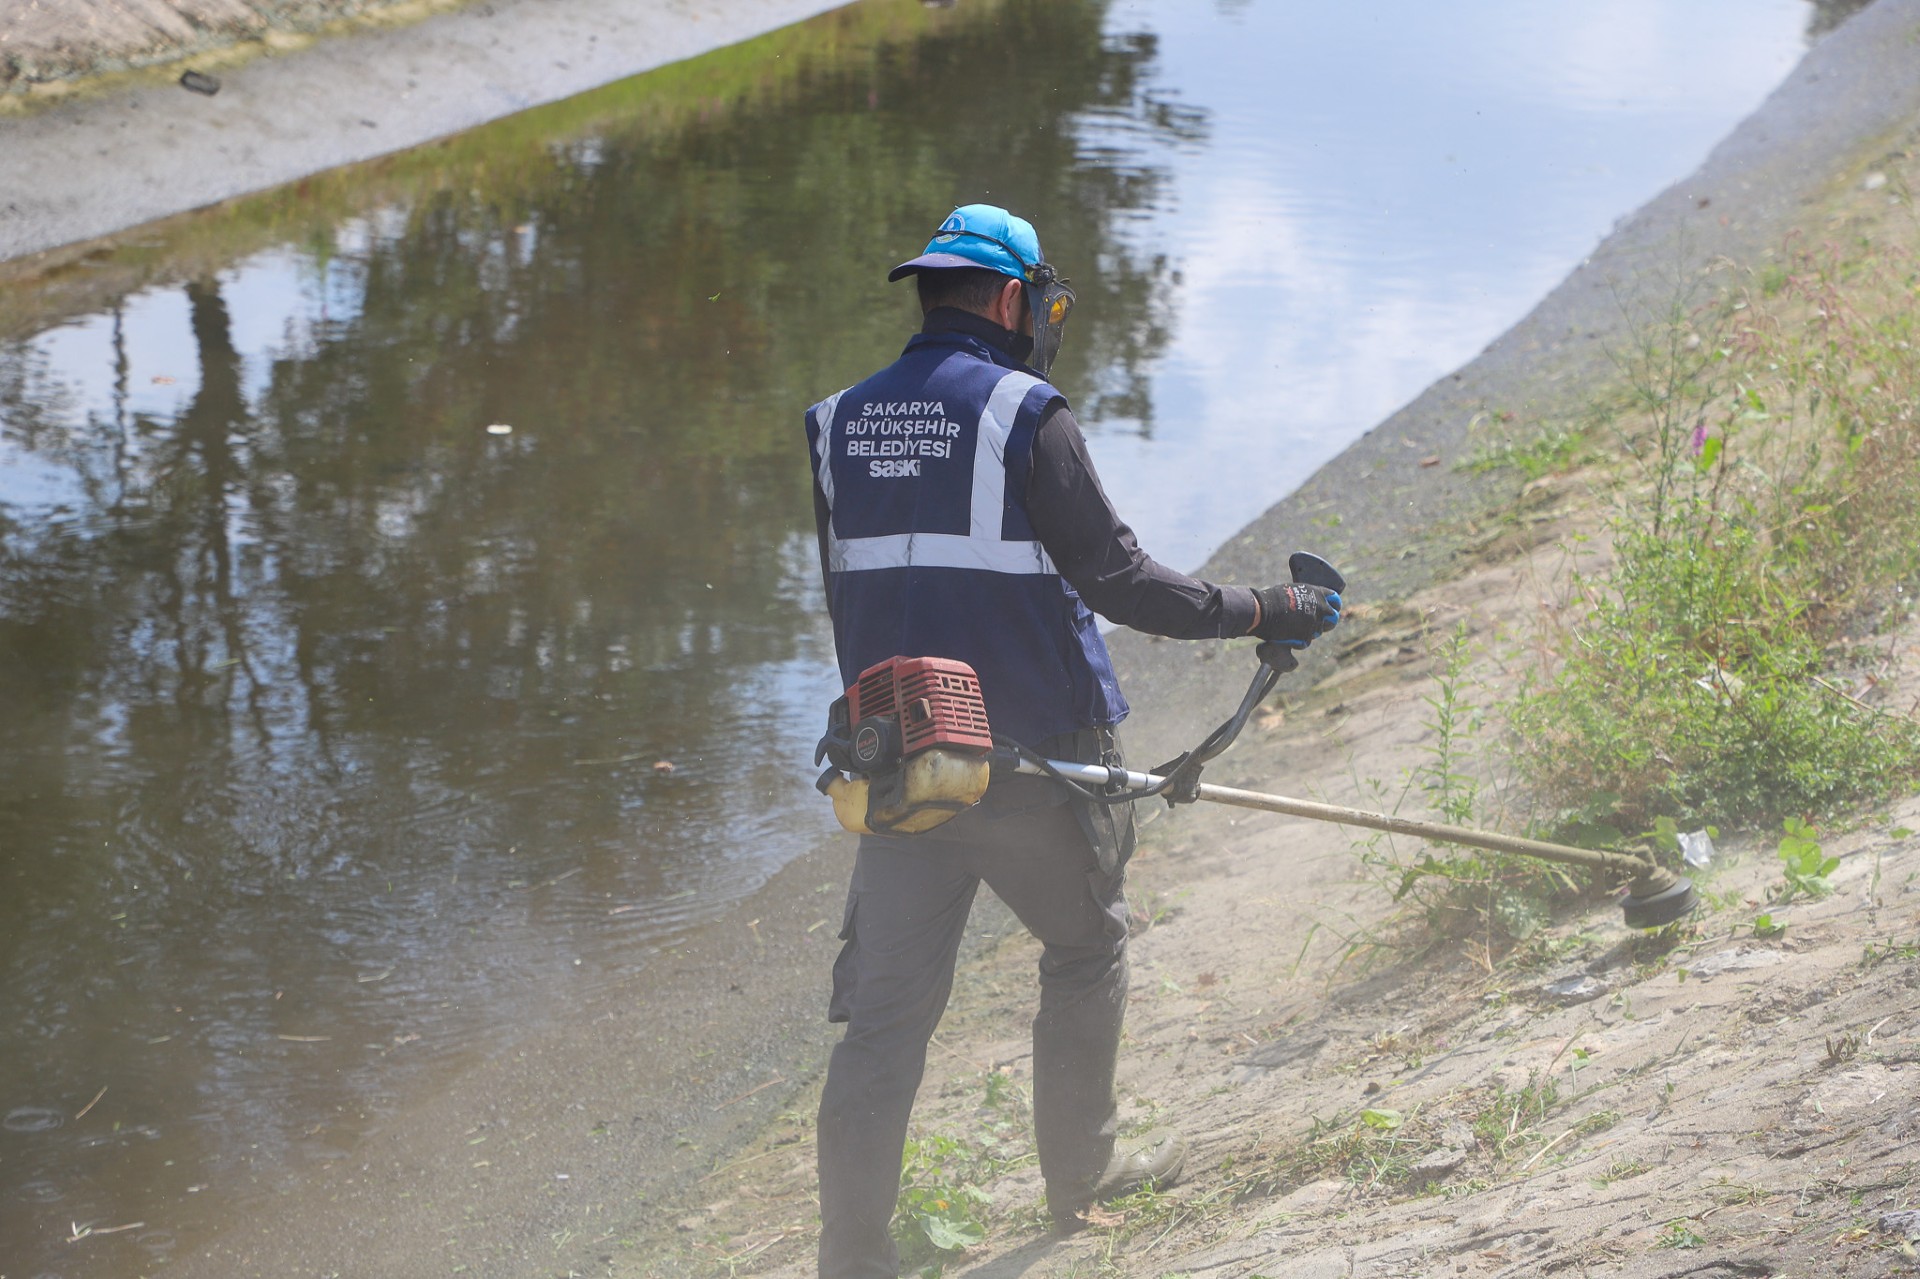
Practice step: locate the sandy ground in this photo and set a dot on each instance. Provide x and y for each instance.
(1611, 1104)
(1232, 1032)
(152, 148)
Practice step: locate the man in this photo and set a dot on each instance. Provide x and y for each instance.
(960, 516)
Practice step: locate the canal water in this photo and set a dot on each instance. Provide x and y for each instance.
(408, 603)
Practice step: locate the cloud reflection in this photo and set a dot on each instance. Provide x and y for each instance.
(1384, 190)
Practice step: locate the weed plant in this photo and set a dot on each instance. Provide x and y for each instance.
(1459, 891)
(1551, 449)
(1502, 1130)
(1771, 524)
(942, 1209)
(1804, 867)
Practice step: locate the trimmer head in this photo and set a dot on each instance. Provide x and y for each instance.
(1660, 906)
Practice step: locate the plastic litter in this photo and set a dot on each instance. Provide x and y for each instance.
(1696, 849)
(1577, 989)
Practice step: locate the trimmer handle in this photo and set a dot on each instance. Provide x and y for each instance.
(1280, 657)
(1311, 570)
(1308, 570)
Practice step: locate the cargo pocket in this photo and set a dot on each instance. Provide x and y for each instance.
(1111, 897)
(840, 1006)
(1110, 828)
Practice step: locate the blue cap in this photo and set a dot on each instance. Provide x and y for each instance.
(950, 248)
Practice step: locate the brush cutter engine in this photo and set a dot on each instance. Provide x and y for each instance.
(906, 748)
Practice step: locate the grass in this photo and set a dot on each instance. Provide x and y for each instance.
(943, 1208)
(1547, 450)
(1719, 657)
(1377, 1149)
(1679, 1234)
(1882, 950)
(1512, 1118)
(1621, 1170)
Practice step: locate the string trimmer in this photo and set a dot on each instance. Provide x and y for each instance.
(909, 747)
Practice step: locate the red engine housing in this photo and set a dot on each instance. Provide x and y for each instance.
(936, 702)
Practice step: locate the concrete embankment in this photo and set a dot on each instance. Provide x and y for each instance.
(49, 48)
(93, 163)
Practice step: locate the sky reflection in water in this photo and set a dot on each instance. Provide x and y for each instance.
(1381, 192)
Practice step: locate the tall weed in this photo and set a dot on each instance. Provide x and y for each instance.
(1458, 891)
(1775, 514)
(942, 1209)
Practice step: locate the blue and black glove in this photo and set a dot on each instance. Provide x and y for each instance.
(1296, 614)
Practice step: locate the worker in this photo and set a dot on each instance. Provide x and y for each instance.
(959, 516)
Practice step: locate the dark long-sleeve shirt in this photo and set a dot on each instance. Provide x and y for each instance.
(1088, 542)
(1097, 553)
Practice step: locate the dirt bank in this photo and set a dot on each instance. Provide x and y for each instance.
(1609, 1105)
(153, 148)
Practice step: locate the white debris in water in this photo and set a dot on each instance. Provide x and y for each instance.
(499, 428)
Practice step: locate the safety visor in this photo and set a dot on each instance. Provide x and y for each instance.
(1051, 302)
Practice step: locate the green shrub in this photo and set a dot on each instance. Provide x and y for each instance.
(1775, 512)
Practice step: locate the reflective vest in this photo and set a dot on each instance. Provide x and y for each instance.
(929, 550)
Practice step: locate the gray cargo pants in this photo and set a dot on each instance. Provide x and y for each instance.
(906, 911)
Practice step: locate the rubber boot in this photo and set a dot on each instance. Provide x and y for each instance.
(1154, 1158)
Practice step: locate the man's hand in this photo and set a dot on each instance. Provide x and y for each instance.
(1295, 614)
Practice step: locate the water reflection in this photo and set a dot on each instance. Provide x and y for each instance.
(1384, 189)
(342, 724)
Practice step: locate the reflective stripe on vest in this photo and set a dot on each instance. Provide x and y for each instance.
(822, 421)
(981, 547)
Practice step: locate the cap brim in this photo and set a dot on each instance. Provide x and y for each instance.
(931, 262)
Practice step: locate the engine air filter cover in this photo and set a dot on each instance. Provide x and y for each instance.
(935, 701)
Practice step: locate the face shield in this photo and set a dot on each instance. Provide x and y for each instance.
(1049, 301)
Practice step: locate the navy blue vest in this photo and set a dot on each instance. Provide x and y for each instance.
(929, 549)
